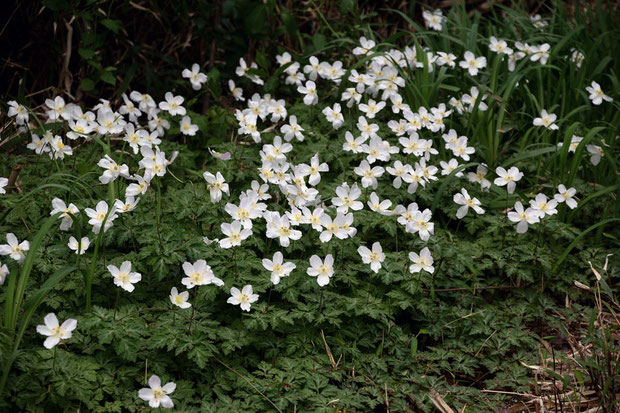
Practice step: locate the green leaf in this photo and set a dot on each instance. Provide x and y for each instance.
(86, 53)
(576, 240)
(447, 180)
(108, 77)
(87, 85)
(112, 25)
(255, 18)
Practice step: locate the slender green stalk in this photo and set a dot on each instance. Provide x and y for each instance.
(91, 273)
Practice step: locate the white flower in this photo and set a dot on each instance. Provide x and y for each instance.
(398, 170)
(467, 202)
(309, 91)
(284, 58)
(14, 248)
(19, 111)
(195, 77)
(98, 215)
(374, 257)
(80, 128)
(508, 178)
(173, 104)
(293, 129)
(123, 277)
(219, 155)
(333, 227)
(261, 191)
(365, 46)
(422, 224)
(424, 261)
(243, 69)
(128, 109)
(295, 216)
(234, 234)
(334, 116)
(216, 185)
(460, 148)
(4, 271)
(444, 58)
(368, 130)
(112, 170)
(109, 122)
(479, 176)
(246, 211)
(473, 63)
(523, 217)
(79, 247)
(313, 218)
(294, 77)
(157, 394)
(577, 57)
(473, 98)
(546, 120)
(60, 206)
(154, 162)
(433, 19)
(574, 143)
(237, 92)
(544, 206)
(448, 167)
(597, 153)
(537, 21)
(351, 96)
(314, 170)
(127, 206)
(186, 126)
(278, 110)
(322, 269)
(313, 69)
(566, 195)
(54, 331)
(243, 298)
(199, 273)
(499, 46)
(372, 108)
(274, 155)
(597, 96)
(412, 144)
(369, 176)
(347, 198)
(377, 150)
(58, 150)
(144, 100)
(58, 109)
(38, 145)
(540, 53)
(279, 227)
(141, 187)
(382, 207)
(180, 300)
(277, 267)
(406, 216)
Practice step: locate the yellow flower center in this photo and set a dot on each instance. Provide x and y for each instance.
(123, 277)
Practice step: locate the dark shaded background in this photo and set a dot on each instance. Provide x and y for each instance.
(85, 49)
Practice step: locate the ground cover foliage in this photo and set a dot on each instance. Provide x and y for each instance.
(480, 324)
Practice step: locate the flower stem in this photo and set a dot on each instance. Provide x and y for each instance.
(54, 359)
(158, 215)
